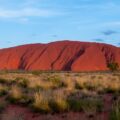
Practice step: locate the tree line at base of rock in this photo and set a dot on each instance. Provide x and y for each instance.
(113, 66)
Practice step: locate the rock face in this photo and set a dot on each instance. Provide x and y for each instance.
(62, 55)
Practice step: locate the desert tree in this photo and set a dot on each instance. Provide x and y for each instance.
(113, 66)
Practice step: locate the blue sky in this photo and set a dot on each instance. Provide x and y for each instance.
(43, 21)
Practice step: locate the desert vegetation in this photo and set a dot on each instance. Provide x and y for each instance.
(60, 93)
(113, 66)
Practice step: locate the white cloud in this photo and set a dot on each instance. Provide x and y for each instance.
(27, 12)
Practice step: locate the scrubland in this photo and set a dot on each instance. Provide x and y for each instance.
(59, 96)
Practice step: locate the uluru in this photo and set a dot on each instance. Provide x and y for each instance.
(60, 55)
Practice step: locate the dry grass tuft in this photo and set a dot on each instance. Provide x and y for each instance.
(41, 102)
(3, 90)
(59, 102)
(15, 94)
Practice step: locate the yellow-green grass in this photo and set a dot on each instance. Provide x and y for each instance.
(41, 102)
(115, 113)
(3, 90)
(15, 94)
(51, 92)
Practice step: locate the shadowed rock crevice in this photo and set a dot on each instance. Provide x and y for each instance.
(67, 67)
(37, 58)
(54, 62)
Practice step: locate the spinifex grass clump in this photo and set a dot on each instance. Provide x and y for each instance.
(115, 113)
(50, 101)
(37, 73)
(113, 88)
(75, 105)
(15, 94)
(56, 80)
(18, 95)
(41, 102)
(89, 105)
(7, 81)
(3, 105)
(79, 86)
(23, 82)
(59, 102)
(69, 84)
(3, 90)
(3, 81)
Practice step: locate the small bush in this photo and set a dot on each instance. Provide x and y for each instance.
(15, 94)
(25, 100)
(89, 86)
(69, 84)
(3, 81)
(113, 88)
(58, 103)
(23, 82)
(75, 105)
(56, 80)
(34, 84)
(88, 105)
(3, 105)
(79, 86)
(113, 66)
(36, 72)
(115, 113)
(109, 90)
(92, 105)
(6, 81)
(37, 88)
(41, 102)
(3, 90)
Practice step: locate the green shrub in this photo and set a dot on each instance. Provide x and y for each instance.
(25, 100)
(91, 106)
(59, 103)
(36, 73)
(3, 81)
(37, 88)
(115, 113)
(3, 90)
(15, 94)
(3, 105)
(89, 86)
(56, 80)
(41, 102)
(110, 90)
(75, 105)
(79, 86)
(86, 104)
(113, 66)
(23, 82)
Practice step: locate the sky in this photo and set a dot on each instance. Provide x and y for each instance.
(43, 21)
